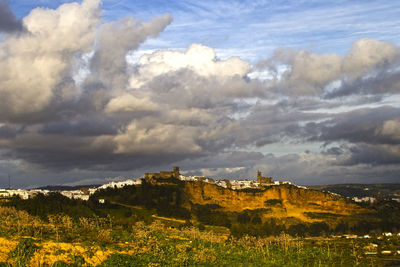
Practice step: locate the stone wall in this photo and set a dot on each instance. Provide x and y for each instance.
(154, 176)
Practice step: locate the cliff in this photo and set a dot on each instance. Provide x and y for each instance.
(276, 201)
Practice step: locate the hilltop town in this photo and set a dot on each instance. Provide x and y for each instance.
(84, 193)
(158, 177)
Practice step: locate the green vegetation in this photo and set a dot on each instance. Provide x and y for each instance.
(53, 203)
(104, 242)
(143, 203)
(149, 225)
(208, 214)
(23, 251)
(273, 202)
(321, 215)
(166, 200)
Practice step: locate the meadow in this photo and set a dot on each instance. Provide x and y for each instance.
(60, 240)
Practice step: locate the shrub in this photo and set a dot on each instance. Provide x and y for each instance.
(256, 219)
(122, 260)
(273, 202)
(299, 230)
(243, 218)
(318, 229)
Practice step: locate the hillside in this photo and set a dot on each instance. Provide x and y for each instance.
(362, 190)
(260, 211)
(64, 241)
(276, 201)
(257, 211)
(175, 223)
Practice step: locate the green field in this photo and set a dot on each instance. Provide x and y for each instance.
(148, 226)
(131, 236)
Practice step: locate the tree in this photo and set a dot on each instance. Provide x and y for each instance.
(256, 219)
(299, 230)
(243, 218)
(318, 229)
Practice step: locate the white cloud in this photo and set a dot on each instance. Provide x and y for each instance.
(161, 139)
(128, 102)
(367, 53)
(115, 39)
(34, 63)
(310, 74)
(197, 58)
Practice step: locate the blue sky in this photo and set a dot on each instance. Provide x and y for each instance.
(307, 91)
(253, 29)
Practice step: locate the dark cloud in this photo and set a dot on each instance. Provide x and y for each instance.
(82, 128)
(378, 82)
(7, 132)
(374, 155)
(337, 151)
(223, 160)
(8, 21)
(372, 134)
(363, 125)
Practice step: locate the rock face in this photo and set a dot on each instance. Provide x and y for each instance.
(277, 201)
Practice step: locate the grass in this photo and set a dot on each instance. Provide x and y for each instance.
(28, 241)
(322, 215)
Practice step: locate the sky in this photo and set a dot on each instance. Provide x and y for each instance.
(96, 91)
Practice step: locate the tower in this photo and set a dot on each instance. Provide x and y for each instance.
(176, 172)
(263, 180)
(259, 176)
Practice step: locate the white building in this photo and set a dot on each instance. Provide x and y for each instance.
(75, 194)
(121, 184)
(4, 193)
(24, 194)
(242, 184)
(364, 199)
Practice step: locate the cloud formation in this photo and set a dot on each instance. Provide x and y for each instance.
(9, 23)
(73, 102)
(306, 73)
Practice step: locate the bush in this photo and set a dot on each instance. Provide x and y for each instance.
(299, 230)
(256, 219)
(272, 227)
(318, 229)
(273, 202)
(243, 218)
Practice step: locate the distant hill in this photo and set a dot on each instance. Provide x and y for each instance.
(361, 190)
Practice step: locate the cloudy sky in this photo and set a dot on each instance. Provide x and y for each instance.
(305, 91)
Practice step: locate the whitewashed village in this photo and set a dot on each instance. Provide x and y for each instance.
(84, 192)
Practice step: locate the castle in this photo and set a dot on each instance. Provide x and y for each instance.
(151, 176)
(163, 176)
(264, 180)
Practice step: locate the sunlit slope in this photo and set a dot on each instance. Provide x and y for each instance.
(277, 201)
